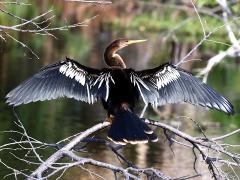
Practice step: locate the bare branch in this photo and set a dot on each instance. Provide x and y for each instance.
(59, 154)
(198, 45)
(22, 44)
(200, 20)
(226, 135)
(232, 51)
(34, 26)
(205, 147)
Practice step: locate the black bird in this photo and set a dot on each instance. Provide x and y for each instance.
(119, 88)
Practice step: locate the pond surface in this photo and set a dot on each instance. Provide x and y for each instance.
(52, 121)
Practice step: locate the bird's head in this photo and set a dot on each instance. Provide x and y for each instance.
(111, 57)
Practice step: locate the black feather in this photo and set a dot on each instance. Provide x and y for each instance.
(127, 127)
(181, 86)
(49, 83)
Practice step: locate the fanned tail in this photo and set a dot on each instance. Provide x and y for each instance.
(127, 127)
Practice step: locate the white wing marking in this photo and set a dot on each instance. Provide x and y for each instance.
(72, 71)
(137, 81)
(107, 85)
(166, 76)
(88, 93)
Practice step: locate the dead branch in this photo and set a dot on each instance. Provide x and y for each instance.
(210, 150)
(213, 61)
(60, 153)
(39, 25)
(206, 147)
(52, 165)
(233, 50)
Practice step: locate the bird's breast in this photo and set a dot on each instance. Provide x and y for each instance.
(121, 89)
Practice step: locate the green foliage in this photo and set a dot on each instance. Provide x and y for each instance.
(205, 3)
(186, 29)
(77, 45)
(223, 79)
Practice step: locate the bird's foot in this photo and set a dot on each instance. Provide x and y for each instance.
(109, 119)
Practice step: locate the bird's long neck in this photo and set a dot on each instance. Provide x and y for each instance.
(113, 59)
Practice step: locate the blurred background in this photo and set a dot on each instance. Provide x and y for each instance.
(172, 29)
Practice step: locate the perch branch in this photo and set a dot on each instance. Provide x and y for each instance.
(59, 154)
(204, 146)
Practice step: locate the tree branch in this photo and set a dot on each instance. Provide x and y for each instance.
(60, 153)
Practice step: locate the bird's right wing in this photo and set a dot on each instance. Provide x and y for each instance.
(169, 84)
(63, 79)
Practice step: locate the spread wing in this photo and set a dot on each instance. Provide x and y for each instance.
(169, 84)
(63, 79)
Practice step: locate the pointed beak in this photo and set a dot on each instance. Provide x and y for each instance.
(135, 41)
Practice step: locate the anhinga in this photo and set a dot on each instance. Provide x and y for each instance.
(119, 88)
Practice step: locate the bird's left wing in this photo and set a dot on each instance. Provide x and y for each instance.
(66, 78)
(169, 84)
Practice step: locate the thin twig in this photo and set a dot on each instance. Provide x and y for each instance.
(226, 135)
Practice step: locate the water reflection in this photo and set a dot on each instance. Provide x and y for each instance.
(52, 121)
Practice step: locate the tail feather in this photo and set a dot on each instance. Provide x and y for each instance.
(129, 128)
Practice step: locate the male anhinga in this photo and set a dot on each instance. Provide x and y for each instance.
(119, 88)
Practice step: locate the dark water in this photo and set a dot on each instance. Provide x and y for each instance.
(52, 121)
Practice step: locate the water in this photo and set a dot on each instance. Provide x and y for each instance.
(52, 121)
